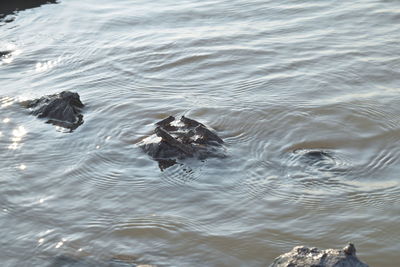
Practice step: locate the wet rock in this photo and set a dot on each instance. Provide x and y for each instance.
(316, 155)
(177, 139)
(320, 159)
(63, 109)
(313, 257)
(5, 53)
(313, 156)
(8, 7)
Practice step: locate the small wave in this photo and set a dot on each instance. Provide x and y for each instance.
(183, 173)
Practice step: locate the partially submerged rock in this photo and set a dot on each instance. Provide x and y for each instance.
(177, 139)
(63, 109)
(5, 53)
(313, 257)
(317, 158)
(313, 156)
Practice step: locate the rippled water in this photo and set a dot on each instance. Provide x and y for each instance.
(279, 81)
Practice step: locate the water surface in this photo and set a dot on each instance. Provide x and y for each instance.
(275, 80)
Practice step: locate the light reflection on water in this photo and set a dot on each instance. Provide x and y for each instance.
(22, 167)
(17, 136)
(271, 78)
(47, 65)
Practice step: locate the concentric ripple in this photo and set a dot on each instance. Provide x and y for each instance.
(106, 168)
(134, 226)
(323, 164)
(317, 163)
(183, 173)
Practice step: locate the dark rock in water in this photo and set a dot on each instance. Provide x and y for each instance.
(166, 163)
(316, 155)
(5, 53)
(313, 257)
(63, 109)
(10, 6)
(317, 158)
(179, 139)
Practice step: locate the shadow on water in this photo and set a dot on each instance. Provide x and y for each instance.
(10, 7)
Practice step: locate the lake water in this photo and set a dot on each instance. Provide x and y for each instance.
(273, 78)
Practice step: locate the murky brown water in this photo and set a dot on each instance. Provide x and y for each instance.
(275, 79)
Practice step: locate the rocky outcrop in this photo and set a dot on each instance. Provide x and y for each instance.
(63, 109)
(313, 257)
(177, 139)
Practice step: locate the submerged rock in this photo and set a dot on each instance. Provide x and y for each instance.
(312, 156)
(63, 109)
(319, 159)
(177, 139)
(313, 257)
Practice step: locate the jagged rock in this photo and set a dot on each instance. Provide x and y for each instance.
(177, 139)
(313, 257)
(63, 109)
